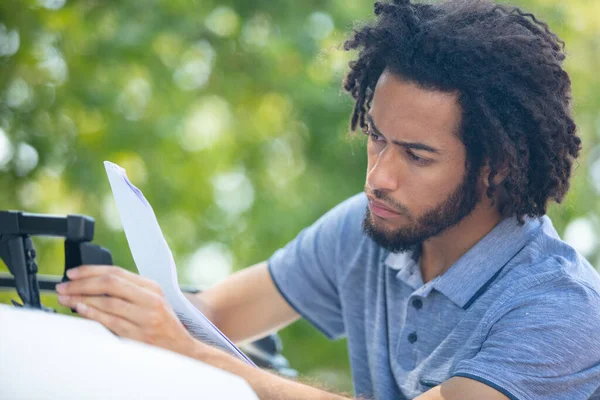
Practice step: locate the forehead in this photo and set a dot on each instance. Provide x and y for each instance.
(407, 111)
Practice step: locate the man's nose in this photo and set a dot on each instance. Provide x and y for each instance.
(382, 172)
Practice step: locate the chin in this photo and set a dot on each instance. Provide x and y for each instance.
(389, 224)
(384, 227)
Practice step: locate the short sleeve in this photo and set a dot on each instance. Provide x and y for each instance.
(306, 270)
(544, 345)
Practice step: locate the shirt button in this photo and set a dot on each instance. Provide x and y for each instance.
(412, 337)
(417, 303)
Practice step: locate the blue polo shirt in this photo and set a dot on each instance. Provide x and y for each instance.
(520, 311)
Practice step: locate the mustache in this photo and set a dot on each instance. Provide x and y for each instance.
(387, 200)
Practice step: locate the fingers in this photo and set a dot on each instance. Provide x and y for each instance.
(109, 305)
(109, 284)
(88, 271)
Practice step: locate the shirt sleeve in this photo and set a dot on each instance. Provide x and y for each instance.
(306, 270)
(543, 346)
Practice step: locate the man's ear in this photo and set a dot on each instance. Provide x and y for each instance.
(501, 174)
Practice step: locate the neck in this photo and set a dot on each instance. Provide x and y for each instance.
(439, 253)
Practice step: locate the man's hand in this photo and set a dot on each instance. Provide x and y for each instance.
(127, 304)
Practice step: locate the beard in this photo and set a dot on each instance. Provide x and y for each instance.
(459, 204)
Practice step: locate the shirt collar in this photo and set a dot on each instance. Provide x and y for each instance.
(407, 265)
(472, 274)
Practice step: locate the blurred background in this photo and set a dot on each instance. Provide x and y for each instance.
(229, 116)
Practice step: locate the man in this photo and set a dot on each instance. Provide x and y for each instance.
(446, 276)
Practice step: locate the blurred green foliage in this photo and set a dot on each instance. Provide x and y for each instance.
(229, 116)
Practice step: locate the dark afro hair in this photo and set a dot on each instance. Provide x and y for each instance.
(506, 68)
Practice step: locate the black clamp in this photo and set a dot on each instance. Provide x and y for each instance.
(18, 253)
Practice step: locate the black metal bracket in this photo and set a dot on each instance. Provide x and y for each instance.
(18, 253)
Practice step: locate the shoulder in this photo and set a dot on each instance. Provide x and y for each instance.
(350, 211)
(353, 211)
(342, 227)
(548, 260)
(346, 220)
(336, 232)
(539, 323)
(550, 318)
(343, 223)
(549, 278)
(557, 287)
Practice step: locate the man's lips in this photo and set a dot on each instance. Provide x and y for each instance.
(381, 210)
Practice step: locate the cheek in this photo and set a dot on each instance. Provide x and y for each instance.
(425, 188)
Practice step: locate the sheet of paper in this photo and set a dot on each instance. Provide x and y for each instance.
(154, 260)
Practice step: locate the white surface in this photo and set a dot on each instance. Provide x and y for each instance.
(154, 260)
(51, 356)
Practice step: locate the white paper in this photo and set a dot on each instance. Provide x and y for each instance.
(154, 260)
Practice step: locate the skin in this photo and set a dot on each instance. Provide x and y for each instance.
(248, 305)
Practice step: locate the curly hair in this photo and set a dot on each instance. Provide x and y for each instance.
(505, 66)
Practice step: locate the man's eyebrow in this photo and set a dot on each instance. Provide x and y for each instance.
(409, 145)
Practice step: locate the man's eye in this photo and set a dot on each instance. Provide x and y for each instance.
(416, 158)
(374, 137)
